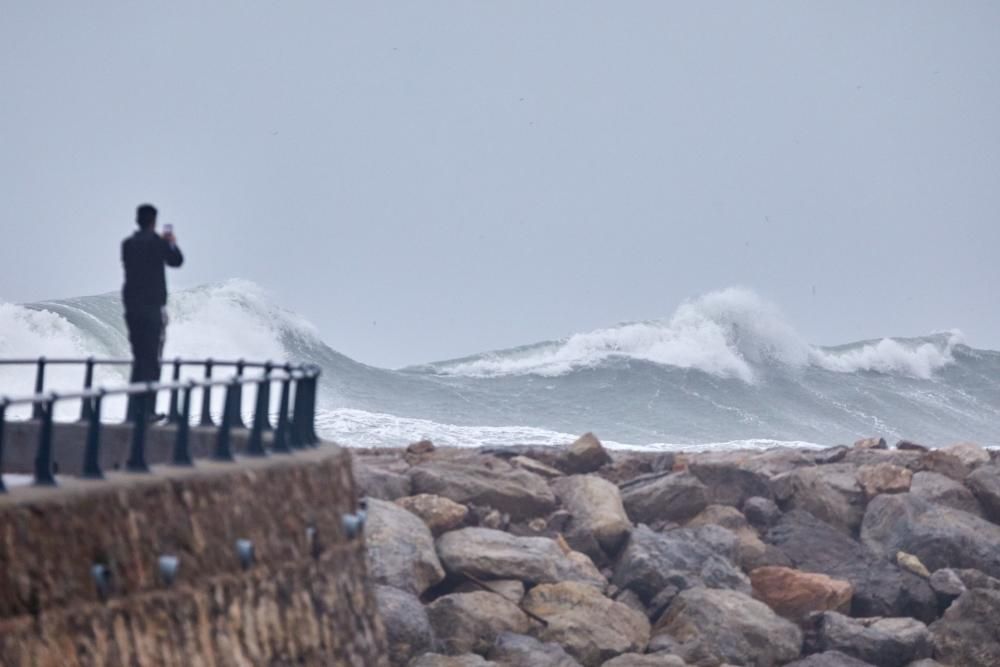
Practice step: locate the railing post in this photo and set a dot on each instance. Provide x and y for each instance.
(137, 452)
(206, 396)
(280, 443)
(92, 450)
(223, 449)
(173, 415)
(311, 408)
(237, 416)
(295, 431)
(265, 388)
(43, 457)
(255, 445)
(182, 451)
(3, 424)
(36, 408)
(88, 382)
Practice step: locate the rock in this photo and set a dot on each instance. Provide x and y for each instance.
(408, 631)
(896, 457)
(762, 513)
(942, 490)
(673, 497)
(628, 465)
(487, 517)
(585, 455)
(947, 584)
(939, 536)
(973, 578)
(438, 660)
(753, 552)
(493, 554)
(645, 660)
(651, 561)
(984, 482)
(967, 633)
(830, 659)
(728, 483)
(536, 467)
(871, 443)
(831, 493)
(887, 642)
(926, 662)
(420, 448)
(943, 463)
(910, 446)
(969, 453)
(795, 594)
(513, 650)
(710, 626)
(588, 625)
(831, 455)
(880, 587)
(512, 589)
(400, 549)
(911, 563)
(439, 513)
(883, 478)
(596, 510)
(470, 622)
(375, 482)
(630, 599)
(486, 481)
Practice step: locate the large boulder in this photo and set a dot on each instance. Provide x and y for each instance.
(829, 492)
(652, 561)
(887, 642)
(729, 482)
(493, 554)
(710, 627)
(880, 587)
(939, 536)
(512, 589)
(407, 628)
(944, 463)
(645, 660)
(585, 455)
(969, 453)
(470, 622)
(830, 659)
(753, 553)
(883, 478)
(439, 513)
(591, 627)
(596, 510)
(439, 660)
(485, 480)
(513, 650)
(936, 488)
(400, 548)
(375, 481)
(671, 497)
(967, 633)
(985, 485)
(795, 595)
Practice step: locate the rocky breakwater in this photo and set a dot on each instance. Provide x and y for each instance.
(853, 556)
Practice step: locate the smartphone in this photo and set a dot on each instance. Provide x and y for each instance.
(168, 228)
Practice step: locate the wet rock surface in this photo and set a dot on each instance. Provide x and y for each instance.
(850, 556)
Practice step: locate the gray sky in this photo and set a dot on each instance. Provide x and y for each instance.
(427, 180)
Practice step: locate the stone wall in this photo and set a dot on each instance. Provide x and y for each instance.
(305, 599)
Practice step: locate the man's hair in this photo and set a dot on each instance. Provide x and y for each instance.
(145, 215)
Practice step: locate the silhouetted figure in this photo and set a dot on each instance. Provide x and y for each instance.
(144, 295)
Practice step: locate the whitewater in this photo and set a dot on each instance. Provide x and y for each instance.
(725, 370)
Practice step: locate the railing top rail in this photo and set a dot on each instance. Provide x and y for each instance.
(148, 387)
(125, 362)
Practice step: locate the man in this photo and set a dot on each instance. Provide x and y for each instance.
(144, 295)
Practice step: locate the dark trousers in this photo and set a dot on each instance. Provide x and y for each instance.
(146, 333)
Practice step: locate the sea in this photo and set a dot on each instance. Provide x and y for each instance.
(724, 371)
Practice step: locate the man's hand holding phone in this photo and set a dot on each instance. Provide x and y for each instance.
(168, 234)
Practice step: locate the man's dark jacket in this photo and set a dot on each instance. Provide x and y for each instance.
(144, 255)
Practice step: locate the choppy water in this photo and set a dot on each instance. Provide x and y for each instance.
(725, 370)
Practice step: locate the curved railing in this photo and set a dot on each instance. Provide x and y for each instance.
(295, 427)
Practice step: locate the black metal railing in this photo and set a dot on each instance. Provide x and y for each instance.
(295, 427)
